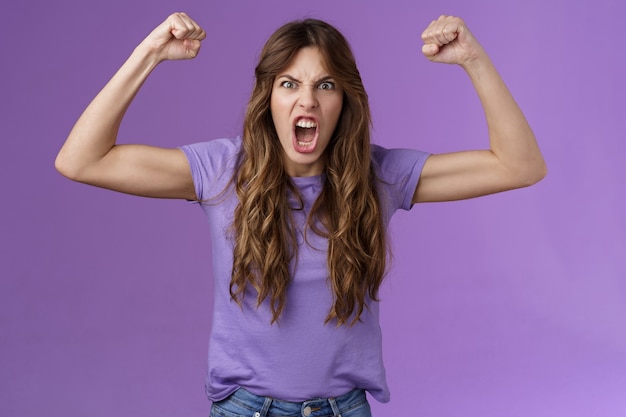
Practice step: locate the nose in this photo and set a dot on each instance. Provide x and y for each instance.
(307, 99)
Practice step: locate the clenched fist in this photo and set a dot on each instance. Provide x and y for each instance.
(178, 37)
(448, 40)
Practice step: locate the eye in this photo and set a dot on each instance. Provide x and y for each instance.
(326, 85)
(288, 84)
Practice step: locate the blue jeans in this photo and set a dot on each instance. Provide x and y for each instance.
(245, 404)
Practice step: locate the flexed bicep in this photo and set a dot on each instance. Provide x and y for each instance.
(512, 158)
(90, 153)
(462, 175)
(142, 170)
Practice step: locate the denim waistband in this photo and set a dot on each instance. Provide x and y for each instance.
(243, 402)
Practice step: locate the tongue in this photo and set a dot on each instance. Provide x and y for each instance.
(305, 135)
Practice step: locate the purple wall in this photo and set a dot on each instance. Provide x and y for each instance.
(509, 305)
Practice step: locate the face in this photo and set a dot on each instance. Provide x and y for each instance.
(306, 103)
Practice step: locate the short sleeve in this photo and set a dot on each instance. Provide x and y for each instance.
(399, 171)
(212, 165)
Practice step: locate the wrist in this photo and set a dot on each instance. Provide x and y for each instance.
(148, 54)
(477, 64)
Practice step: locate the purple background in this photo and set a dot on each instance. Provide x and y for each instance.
(508, 305)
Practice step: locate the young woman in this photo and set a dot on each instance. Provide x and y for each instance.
(299, 206)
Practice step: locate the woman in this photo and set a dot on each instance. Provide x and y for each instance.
(299, 205)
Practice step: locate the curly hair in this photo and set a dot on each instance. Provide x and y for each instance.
(347, 212)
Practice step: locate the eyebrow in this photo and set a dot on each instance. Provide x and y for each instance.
(320, 80)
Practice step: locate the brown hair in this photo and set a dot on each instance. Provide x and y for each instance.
(347, 212)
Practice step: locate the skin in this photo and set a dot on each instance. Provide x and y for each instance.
(513, 159)
(90, 154)
(305, 91)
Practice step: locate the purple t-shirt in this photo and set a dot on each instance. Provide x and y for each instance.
(300, 357)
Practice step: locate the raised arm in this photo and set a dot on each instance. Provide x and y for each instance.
(513, 159)
(90, 154)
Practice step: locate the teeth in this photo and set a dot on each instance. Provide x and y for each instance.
(307, 124)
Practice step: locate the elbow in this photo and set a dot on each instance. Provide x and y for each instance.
(542, 172)
(533, 173)
(65, 167)
(61, 166)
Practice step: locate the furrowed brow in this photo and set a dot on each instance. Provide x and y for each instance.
(322, 79)
(290, 78)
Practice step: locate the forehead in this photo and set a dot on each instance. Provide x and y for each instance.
(308, 62)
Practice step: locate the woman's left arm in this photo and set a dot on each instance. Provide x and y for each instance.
(513, 159)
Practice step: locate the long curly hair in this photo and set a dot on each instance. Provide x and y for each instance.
(347, 212)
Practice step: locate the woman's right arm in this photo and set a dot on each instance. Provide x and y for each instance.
(90, 154)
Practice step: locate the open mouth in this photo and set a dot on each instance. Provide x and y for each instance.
(305, 135)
